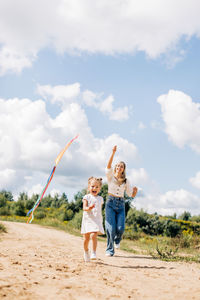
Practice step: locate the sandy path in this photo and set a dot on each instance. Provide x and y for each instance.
(42, 263)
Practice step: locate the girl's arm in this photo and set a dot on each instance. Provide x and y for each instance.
(109, 165)
(86, 207)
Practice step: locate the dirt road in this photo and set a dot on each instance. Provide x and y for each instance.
(44, 263)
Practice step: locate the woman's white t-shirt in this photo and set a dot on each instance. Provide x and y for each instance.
(115, 188)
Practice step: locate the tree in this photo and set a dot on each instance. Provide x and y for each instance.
(2, 200)
(23, 196)
(78, 200)
(47, 201)
(63, 199)
(104, 193)
(7, 195)
(185, 216)
(20, 208)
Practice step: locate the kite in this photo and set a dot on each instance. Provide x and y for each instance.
(58, 158)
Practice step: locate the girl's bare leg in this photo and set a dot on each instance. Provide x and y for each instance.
(86, 241)
(94, 241)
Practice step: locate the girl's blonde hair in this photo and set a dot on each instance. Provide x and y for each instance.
(99, 180)
(122, 179)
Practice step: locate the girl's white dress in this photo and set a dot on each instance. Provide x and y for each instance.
(92, 220)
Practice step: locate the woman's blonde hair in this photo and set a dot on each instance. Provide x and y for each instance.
(122, 179)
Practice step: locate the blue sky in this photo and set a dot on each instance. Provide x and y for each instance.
(122, 73)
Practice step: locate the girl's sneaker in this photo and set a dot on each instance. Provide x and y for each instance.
(93, 255)
(86, 256)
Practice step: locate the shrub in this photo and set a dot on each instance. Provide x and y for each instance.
(20, 208)
(29, 204)
(68, 215)
(5, 211)
(40, 215)
(2, 200)
(76, 221)
(171, 229)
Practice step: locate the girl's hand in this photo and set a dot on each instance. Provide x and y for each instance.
(114, 149)
(135, 190)
(91, 206)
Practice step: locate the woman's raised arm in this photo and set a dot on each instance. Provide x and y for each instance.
(109, 165)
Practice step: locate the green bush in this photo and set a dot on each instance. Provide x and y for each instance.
(40, 215)
(5, 211)
(172, 228)
(19, 208)
(149, 224)
(68, 215)
(2, 200)
(77, 219)
(29, 204)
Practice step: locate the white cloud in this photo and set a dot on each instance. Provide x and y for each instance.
(108, 27)
(106, 106)
(169, 203)
(138, 177)
(8, 176)
(59, 93)
(195, 181)
(182, 119)
(119, 114)
(55, 192)
(30, 140)
(89, 98)
(13, 61)
(66, 94)
(35, 189)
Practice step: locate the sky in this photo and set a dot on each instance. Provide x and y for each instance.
(115, 72)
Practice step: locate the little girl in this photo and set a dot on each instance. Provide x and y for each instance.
(92, 217)
(115, 205)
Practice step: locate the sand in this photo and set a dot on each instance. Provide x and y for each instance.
(44, 263)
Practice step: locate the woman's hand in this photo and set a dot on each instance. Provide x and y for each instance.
(135, 190)
(111, 157)
(114, 149)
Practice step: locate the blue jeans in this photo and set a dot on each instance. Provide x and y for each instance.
(114, 222)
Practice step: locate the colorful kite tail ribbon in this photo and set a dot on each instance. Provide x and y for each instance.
(48, 181)
(58, 158)
(41, 196)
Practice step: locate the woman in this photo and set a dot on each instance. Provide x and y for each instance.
(115, 205)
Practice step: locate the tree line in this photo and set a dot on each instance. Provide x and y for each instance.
(58, 206)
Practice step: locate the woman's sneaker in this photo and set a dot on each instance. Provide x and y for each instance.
(108, 254)
(86, 256)
(93, 255)
(117, 246)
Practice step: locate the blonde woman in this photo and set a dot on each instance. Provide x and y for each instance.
(115, 204)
